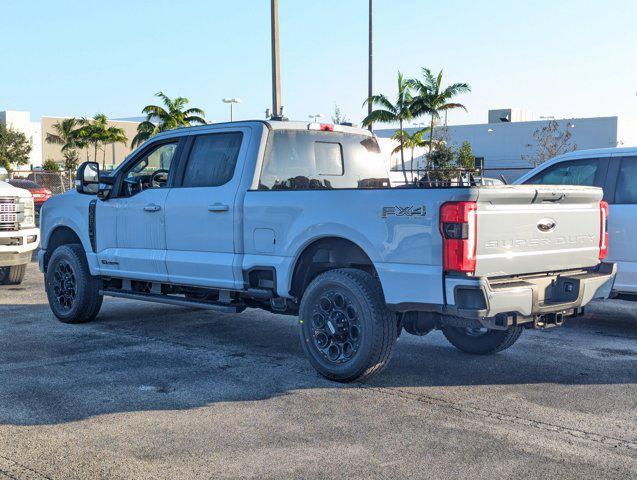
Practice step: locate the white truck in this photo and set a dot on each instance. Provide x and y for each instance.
(19, 236)
(614, 170)
(301, 219)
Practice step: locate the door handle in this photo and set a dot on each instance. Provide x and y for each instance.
(151, 207)
(218, 207)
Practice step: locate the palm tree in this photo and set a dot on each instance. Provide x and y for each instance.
(70, 135)
(389, 112)
(65, 134)
(97, 133)
(160, 119)
(411, 141)
(432, 99)
(113, 135)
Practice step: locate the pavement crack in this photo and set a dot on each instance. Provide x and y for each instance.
(18, 471)
(397, 392)
(504, 417)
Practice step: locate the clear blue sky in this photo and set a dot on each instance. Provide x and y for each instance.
(72, 57)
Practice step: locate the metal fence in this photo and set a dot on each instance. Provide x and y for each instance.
(434, 178)
(57, 182)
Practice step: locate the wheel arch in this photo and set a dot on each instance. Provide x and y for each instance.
(326, 253)
(60, 235)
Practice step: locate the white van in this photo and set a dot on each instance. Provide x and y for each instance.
(615, 170)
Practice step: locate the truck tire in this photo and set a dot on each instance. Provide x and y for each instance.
(72, 291)
(346, 330)
(12, 275)
(481, 341)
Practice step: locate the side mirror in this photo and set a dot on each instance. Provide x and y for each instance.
(87, 178)
(106, 183)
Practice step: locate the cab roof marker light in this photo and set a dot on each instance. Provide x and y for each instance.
(324, 127)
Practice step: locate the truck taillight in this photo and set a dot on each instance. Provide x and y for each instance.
(458, 228)
(603, 230)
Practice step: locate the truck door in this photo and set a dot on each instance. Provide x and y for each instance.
(621, 193)
(136, 215)
(203, 220)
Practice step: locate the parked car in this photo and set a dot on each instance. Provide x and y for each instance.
(39, 193)
(18, 234)
(614, 170)
(300, 219)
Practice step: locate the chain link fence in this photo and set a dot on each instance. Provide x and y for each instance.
(57, 182)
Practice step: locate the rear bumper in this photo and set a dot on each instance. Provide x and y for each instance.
(16, 246)
(519, 300)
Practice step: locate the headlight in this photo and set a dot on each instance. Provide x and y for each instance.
(27, 219)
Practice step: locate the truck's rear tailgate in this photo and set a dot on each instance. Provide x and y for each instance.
(536, 228)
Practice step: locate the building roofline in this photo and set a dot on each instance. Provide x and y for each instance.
(64, 117)
(507, 124)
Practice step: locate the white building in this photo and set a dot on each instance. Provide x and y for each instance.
(503, 142)
(21, 121)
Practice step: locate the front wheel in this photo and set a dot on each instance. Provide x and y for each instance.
(346, 330)
(12, 275)
(481, 341)
(72, 291)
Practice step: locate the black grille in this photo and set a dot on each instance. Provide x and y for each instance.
(8, 214)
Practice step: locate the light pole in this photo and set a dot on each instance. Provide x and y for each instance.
(370, 65)
(231, 101)
(316, 116)
(276, 71)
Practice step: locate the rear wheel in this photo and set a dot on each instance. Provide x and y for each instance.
(72, 291)
(346, 330)
(12, 275)
(481, 341)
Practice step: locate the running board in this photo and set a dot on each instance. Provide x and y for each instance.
(181, 302)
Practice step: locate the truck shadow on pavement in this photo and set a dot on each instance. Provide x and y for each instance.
(145, 357)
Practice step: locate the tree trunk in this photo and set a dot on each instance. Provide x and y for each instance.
(402, 155)
(431, 139)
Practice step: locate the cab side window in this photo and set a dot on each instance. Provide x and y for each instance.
(576, 172)
(626, 189)
(151, 170)
(212, 159)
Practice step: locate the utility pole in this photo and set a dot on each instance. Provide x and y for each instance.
(276, 73)
(370, 72)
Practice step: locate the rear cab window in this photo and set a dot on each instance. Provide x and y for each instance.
(315, 160)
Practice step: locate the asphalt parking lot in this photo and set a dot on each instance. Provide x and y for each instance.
(150, 391)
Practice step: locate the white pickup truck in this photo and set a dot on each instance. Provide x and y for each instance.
(301, 219)
(19, 236)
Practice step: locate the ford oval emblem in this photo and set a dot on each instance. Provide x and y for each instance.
(546, 225)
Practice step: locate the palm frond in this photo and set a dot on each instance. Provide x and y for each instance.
(51, 138)
(452, 106)
(194, 120)
(379, 116)
(382, 101)
(194, 111)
